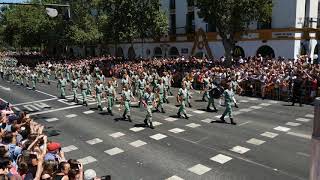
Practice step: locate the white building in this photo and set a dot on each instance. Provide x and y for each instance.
(293, 31)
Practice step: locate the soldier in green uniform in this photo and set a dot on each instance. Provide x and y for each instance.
(161, 95)
(33, 80)
(182, 98)
(83, 85)
(110, 94)
(189, 88)
(48, 74)
(206, 83)
(98, 92)
(62, 82)
(126, 101)
(141, 85)
(148, 101)
(89, 82)
(74, 87)
(229, 100)
(210, 95)
(166, 82)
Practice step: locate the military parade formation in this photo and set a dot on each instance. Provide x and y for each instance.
(149, 90)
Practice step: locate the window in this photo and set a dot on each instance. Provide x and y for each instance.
(173, 24)
(211, 26)
(190, 3)
(190, 28)
(172, 4)
(264, 25)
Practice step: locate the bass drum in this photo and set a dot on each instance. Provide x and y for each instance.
(216, 93)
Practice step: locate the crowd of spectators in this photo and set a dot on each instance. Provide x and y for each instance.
(27, 153)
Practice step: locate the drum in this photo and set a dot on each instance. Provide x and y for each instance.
(216, 93)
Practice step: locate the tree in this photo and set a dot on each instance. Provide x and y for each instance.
(233, 16)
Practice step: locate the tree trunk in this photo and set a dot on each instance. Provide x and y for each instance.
(228, 48)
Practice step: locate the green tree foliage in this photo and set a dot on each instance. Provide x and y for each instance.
(232, 16)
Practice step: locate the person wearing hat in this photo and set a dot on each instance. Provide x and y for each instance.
(161, 94)
(229, 100)
(99, 88)
(126, 101)
(90, 174)
(54, 152)
(62, 82)
(83, 85)
(74, 87)
(148, 101)
(182, 98)
(110, 93)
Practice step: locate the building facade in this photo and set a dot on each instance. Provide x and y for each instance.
(292, 31)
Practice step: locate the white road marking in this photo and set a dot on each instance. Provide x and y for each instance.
(269, 135)
(3, 100)
(255, 141)
(253, 99)
(69, 148)
(94, 141)
(158, 136)
(306, 136)
(66, 101)
(220, 158)
(170, 119)
(246, 110)
(117, 134)
(46, 93)
(114, 151)
(54, 110)
(244, 123)
(273, 102)
(41, 105)
(237, 113)
(199, 112)
(52, 119)
(303, 119)
(193, 125)
(5, 88)
(207, 120)
(199, 169)
(174, 178)
(156, 123)
(281, 128)
(31, 107)
(265, 104)
(293, 124)
(256, 107)
(87, 160)
(138, 143)
(309, 116)
(137, 129)
(176, 130)
(303, 154)
(71, 115)
(243, 101)
(44, 100)
(240, 149)
(88, 112)
(189, 115)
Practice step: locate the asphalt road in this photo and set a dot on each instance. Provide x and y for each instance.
(270, 142)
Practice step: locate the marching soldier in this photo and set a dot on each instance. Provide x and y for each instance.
(111, 95)
(33, 80)
(84, 86)
(166, 82)
(229, 100)
(126, 101)
(74, 86)
(62, 82)
(212, 87)
(98, 91)
(141, 85)
(206, 81)
(182, 98)
(161, 92)
(148, 101)
(89, 82)
(189, 88)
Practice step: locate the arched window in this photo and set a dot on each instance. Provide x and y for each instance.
(157, 52)
(131, 53)
(119, 52)
(173, 52)
(266, 51)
